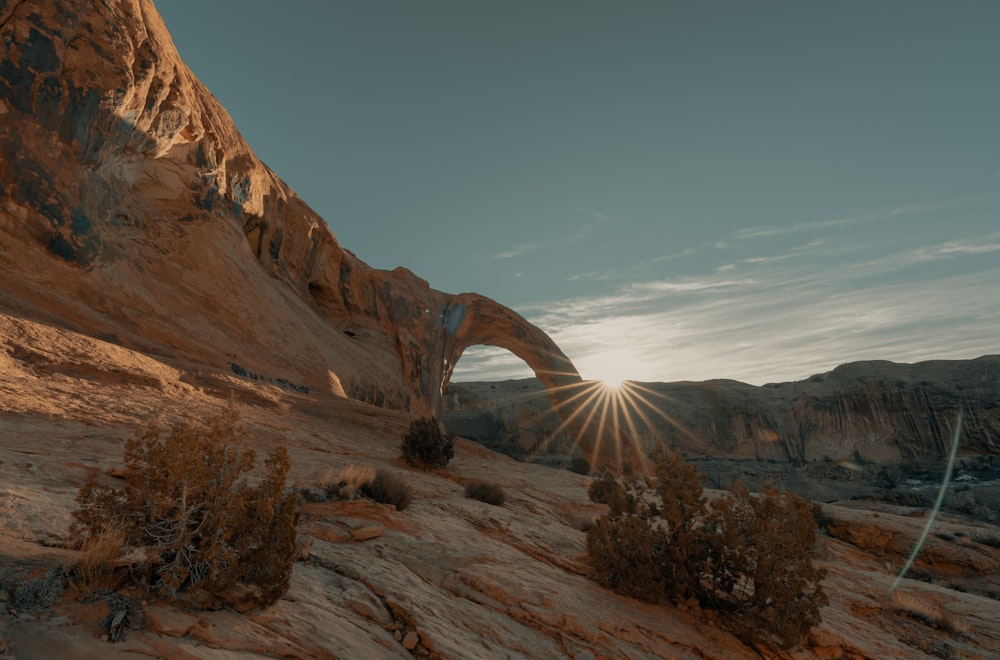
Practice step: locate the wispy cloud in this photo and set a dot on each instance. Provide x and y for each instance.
(597, 276)
(906, 210)
(632, 270)
(583, 231)
(579, 234)
(779, 318)
(517, 251)
(758, 232)
(969, 248)
(676, 255)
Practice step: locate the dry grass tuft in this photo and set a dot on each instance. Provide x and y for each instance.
(485, 491)
(928, 613)
(354, 477)
(100, 555)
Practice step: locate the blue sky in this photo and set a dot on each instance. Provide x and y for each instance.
(672, 190)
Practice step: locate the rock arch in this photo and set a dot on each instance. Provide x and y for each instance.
(470, 319)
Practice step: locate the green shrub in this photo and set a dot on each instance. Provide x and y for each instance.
(485, 491)
(745, 555)
(387, 488)
(425, 445)
(207, 533)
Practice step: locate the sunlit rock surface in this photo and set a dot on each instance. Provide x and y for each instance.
(133, 211)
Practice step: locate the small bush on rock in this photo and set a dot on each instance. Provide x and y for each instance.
(34, 593)
(604, 488)
(485, 491)
(761, 562)
(647, 546)
(579, 465)
(425, 445)
(387, 488)
(743, 554)
(208, 535)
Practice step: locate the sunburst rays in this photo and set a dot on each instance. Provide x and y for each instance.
(615, 424)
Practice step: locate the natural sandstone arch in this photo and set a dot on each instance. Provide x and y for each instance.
(470, 319)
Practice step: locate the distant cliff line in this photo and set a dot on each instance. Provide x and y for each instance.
(877, 410)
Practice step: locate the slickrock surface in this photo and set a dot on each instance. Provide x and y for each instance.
(454, 577)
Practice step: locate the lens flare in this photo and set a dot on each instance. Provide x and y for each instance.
(612, 422)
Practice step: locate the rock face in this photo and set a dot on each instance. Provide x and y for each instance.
(876, 410)
(133, 211)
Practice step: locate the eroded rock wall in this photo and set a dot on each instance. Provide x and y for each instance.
(879, 411)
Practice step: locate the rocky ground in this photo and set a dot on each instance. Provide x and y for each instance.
(449, 576)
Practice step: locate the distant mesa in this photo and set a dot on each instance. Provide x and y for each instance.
(877, 410)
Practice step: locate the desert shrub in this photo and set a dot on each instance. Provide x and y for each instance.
(387, 488)
(647, 545)
(34, 593)
(760, 562)
(314, 493)
(425, 445)
(207, 533)
(579, 465)
(746, 555)
(485, 491)
(605, 488)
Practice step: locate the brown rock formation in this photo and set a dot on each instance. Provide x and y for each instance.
(875, 410)
(133, 210)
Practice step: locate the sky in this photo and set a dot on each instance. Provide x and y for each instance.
(671, 190)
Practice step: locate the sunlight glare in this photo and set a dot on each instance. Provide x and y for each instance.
(611, 369)
(612, 382)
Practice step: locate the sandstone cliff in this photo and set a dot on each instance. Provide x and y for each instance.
(132, 210)
(876, 410)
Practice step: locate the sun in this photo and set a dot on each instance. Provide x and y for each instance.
(610, 369)
(612, 382)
